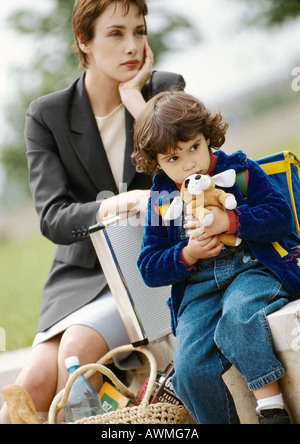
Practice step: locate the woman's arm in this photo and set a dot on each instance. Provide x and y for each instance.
(130, 91)
(63, 220)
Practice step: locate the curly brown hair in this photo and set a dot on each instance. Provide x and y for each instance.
(172, 117)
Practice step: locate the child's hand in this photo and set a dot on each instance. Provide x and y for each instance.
(219, 226)
(221, 222)
(194, 227)
(201, 248)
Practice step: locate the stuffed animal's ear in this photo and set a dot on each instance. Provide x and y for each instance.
(225, 179)
(175, 209)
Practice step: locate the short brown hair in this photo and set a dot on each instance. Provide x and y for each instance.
(86, 12)
(172, 117)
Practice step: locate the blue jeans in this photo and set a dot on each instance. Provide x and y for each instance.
(222, 320)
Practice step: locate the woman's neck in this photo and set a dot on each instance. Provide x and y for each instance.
(103, 94)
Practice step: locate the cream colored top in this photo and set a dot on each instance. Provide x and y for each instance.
(113, 135)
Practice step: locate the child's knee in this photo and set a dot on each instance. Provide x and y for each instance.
(194, 371)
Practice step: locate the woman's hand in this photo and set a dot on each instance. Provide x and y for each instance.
(125, 204)
(139, 80)
(130, 91)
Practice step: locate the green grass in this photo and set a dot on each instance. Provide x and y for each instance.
(24, 266)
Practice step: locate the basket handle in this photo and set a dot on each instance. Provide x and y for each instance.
(89, 370)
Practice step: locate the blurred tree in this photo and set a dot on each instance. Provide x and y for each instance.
(54, 65)
(273, 12)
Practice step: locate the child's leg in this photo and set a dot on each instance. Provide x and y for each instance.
(243, 332)
(199, 364)
(268, 391)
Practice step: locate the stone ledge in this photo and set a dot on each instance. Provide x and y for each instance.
(11, 364)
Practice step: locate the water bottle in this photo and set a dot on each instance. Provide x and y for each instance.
(84, 400)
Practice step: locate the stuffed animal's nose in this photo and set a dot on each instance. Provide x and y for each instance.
(198, 177)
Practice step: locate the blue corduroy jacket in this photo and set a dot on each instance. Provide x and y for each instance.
(264, 218)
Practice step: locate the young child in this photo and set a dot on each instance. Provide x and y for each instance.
(221, 296)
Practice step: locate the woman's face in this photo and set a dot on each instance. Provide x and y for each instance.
(117, 49)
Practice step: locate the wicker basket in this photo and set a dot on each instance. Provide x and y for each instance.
(145, 413)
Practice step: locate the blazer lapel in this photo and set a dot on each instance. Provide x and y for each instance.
(129, 169)
(87, 143)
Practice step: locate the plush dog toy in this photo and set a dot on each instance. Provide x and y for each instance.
(198, 192)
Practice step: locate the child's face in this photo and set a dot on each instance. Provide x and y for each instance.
(191, 157)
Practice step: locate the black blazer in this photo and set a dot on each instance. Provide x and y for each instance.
(68, 168)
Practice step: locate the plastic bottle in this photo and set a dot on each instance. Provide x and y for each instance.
(83, 401)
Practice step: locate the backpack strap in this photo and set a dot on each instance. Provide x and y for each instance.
(242, 180)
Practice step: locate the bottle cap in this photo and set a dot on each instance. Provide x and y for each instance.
(72, 361)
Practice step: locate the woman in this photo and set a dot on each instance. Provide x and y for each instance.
(79, 145)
